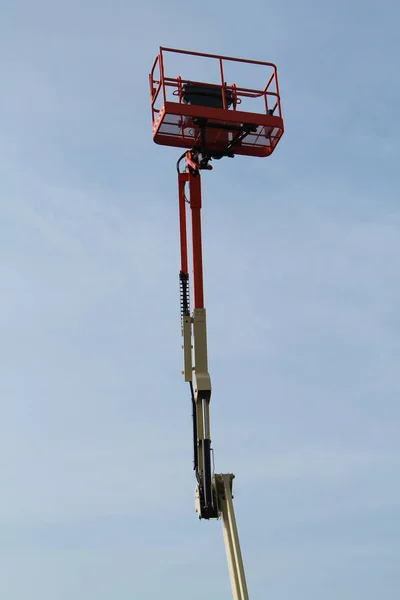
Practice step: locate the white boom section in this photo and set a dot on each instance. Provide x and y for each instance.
(201, 380)
(195, 363)
(194, 333)
(223, 489)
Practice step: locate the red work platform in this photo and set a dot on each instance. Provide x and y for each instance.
(202, 109)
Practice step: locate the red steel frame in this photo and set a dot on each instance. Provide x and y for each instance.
(176, 112)
(193, 179)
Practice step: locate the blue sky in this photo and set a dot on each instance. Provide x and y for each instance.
(302, 292)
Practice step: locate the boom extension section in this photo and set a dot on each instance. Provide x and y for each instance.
(194, 331)
(213, 494)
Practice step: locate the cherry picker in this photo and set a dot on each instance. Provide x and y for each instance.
(210, 121)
